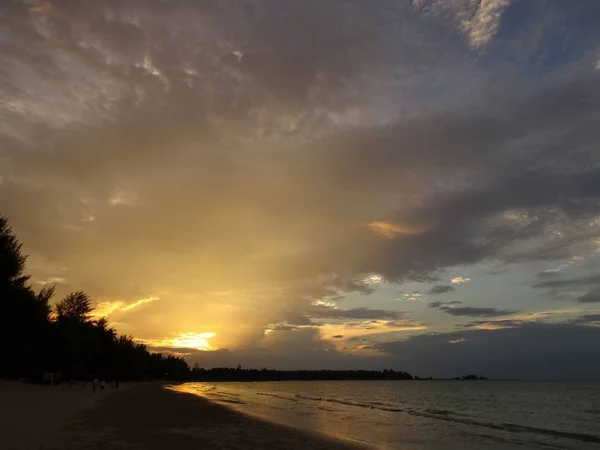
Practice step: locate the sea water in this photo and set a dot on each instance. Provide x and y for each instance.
(480, 414)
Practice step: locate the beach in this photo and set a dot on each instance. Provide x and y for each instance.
(299, 415)
(141, 416)
(32, 414)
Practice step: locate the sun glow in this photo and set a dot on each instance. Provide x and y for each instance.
(198, 341)
(190, 340)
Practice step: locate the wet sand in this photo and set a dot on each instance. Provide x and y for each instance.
(148, 416)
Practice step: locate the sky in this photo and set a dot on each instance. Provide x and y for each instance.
(407, 184)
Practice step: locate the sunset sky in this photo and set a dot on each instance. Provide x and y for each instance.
(314, 183)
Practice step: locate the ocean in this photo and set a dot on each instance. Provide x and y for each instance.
(436, 415)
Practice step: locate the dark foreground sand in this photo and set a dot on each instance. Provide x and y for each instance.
(147, 416)
(31, 414)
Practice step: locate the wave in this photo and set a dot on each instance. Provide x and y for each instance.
(349, 403)
(227, 393)
(441, 412)
(452, 416)
(277, 396)
(237, 402)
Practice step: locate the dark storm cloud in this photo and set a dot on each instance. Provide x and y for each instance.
(401, 323)
(325, 313)
(298, 319)
(471, 311)
(444, 304)
(587, 281)
(590, 297)
(535, 350)
(560, 286)
(246, 146)
(534, 317)
(501, 323)
(548, 274)
(441, 289)
(587, 319)
(282, 327)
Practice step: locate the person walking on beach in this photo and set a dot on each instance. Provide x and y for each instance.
(94, 385)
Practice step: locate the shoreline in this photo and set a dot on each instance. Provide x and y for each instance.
(233, 406)
(151, 416)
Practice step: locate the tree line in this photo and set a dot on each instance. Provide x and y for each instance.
(240, 374)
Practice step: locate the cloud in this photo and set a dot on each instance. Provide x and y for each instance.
(412, 296)
(470, 311)
(587, 319)
(459, 280)
(324, 313)
(548, 274)
(355, 313)
(108, 308)
(568, 282)
(477, 312)
(439, 304)
(281, 327)
(483, 24)
(493, 324)
(590, 297)
(441, 289)
(52, 280)
(561, 286)
(516, 320)
(478, 20)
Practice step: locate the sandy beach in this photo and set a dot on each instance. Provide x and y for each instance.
(144, 416)
(31, 414)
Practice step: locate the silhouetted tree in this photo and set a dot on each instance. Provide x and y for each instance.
(43, 298)
(76, 306)
(23, 314)
(12, 260)
(240, 374)
(71, 342)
